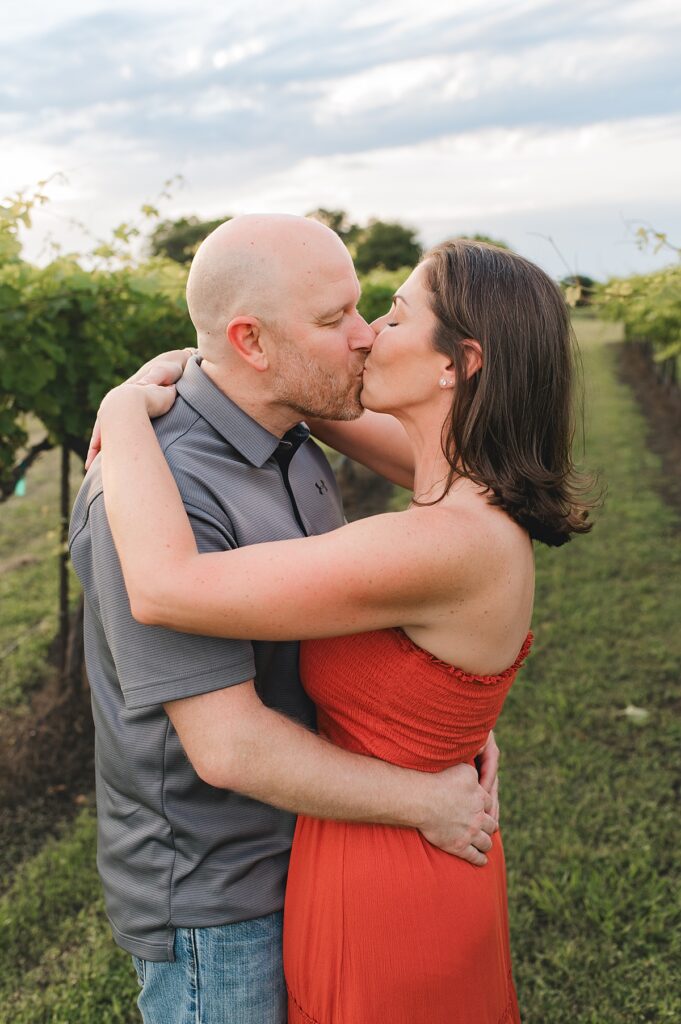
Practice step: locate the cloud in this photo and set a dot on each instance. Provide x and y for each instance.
(402, 76)
(378, 108)
(487, 172)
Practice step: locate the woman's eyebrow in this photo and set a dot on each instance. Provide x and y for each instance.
(396, 297)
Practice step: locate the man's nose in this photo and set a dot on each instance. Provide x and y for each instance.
(363, 335)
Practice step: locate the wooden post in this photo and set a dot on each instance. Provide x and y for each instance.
(73, 671)
(65, 501)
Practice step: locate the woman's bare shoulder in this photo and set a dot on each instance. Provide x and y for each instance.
(473, 531)
(472, 514)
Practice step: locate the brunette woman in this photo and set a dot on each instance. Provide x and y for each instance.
(415, 623)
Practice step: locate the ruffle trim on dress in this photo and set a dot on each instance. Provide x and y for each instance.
(460, 673)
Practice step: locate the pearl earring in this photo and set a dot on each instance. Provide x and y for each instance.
(444, 382)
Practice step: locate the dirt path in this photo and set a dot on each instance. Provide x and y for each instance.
(662, 410)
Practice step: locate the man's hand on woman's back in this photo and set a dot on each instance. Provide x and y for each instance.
(458, 820)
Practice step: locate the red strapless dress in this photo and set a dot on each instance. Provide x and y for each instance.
(380, 927)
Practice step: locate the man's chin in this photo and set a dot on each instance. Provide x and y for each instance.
(346, 414)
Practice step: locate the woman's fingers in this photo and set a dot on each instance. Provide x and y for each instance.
(159, 398)
(488, 759)
(163, 370)
(160, 394)
(495, 801)
(163, 373)
(177, 357)
(95, 444)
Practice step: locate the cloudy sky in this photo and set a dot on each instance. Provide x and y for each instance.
(526, 120)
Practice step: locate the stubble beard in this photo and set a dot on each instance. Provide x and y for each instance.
(312, 390)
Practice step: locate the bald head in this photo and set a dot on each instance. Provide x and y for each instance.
(255, 265)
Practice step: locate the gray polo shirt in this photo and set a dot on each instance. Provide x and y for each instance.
(173, 851)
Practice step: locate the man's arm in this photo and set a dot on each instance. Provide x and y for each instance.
(234, 742)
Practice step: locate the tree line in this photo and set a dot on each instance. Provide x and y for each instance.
(388, 245)
(649, 306)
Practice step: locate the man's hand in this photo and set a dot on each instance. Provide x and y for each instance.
(487, 761)
(163, 370)
(460, 822)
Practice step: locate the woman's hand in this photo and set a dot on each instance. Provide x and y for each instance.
(163, 370)
(156, 399)
(487, 763)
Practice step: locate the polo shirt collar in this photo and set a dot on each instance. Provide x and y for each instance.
(249, 437)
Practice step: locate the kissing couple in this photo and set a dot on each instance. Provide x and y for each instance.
(253, 657)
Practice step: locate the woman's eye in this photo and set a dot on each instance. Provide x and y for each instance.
(391, 325)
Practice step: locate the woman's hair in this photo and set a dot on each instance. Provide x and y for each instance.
(512, 422)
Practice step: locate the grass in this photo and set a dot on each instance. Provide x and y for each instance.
(589, 785)
(29, 583)
(590, 788)
(59, 964)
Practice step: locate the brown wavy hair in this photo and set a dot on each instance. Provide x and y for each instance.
(512, 423)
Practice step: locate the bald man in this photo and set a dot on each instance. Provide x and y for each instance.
(194, 875)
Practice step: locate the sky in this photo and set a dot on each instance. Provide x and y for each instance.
(553, 126)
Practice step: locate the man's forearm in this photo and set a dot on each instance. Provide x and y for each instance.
(275, 760)
(235, 742)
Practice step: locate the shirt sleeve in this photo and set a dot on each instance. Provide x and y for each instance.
(154, 664)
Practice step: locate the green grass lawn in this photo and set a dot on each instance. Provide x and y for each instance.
(590, 789)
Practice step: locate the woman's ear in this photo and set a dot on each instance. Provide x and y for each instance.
(243, 334)
(473, 356)
(473, 353)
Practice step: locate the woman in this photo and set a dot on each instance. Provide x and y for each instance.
(415, 622)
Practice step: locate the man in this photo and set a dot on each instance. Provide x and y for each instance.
(194, 835)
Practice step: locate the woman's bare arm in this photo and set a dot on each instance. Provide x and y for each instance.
(379, 572)
(376, 440)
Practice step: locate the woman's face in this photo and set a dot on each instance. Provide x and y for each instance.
(403, 370)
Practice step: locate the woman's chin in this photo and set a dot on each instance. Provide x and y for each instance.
(371, 400)
(370, 403)
(365, 400)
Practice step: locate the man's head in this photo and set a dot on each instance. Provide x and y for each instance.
(274, 300)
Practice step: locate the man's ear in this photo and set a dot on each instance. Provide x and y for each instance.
(244, 335)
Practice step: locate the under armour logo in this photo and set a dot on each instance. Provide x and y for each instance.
(321, 486)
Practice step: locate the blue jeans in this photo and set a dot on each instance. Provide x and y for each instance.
(231, 974)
